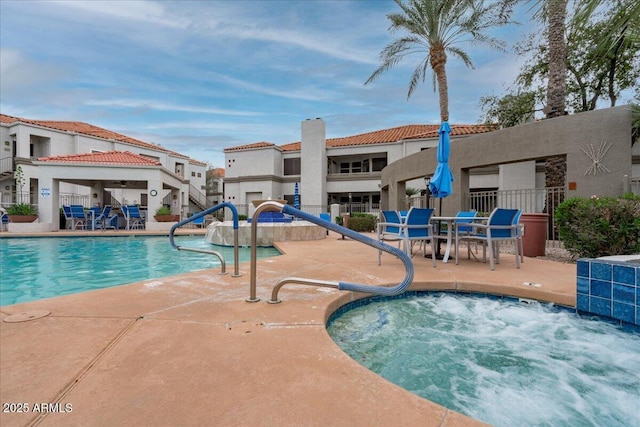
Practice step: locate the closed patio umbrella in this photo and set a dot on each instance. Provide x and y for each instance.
(296, 197)
(440, 185)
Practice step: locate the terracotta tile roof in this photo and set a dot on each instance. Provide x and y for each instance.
(294, 146)
(105, 158)
(216, 172)
(262, 144)
(95, 131)
(392, 135)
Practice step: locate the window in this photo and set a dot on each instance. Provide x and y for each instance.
(344, 167)
(199, 174)
(292, 166)
(193, 174)
(379, 163)
(356, 167)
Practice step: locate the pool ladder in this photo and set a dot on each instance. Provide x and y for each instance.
(223, 268)
(343, 286)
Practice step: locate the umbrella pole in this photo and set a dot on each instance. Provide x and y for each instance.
(438, 256)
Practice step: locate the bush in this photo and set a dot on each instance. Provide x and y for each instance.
(242, 217)
(22, 209)
(362, 223)
(599, 226)
(163, 210)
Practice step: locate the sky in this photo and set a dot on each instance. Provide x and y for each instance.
(200, 76)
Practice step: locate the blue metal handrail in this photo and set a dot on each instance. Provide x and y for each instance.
(343, 286)
(198, 215)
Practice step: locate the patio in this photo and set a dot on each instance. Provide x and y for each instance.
(189, 350)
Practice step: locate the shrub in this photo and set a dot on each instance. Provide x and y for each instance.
(362, 222)
(599, 226)
(242, 217)
(22, 209)
(163, 210)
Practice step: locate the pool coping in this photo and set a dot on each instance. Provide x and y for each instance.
(188, 349)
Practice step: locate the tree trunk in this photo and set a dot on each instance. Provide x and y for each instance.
(438, 61)
(557, 85)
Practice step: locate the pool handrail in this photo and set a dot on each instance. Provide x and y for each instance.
(343, 286)
(198, 215)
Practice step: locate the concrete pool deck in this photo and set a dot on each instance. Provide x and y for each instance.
(189, 350)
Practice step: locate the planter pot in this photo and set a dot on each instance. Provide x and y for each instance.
(23, 218)
(167, 218)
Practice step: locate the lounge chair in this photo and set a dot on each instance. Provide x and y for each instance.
(133, 217)
(78, 217)
(67, 216)
(499, 227)
(102, 218)
(4, 220)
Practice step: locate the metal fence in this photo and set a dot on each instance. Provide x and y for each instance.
(544, 200)
(631, 185)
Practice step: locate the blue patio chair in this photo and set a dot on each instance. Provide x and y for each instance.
(389, 229)
(500, 226)
(463, 226)
(133, 217)
(199, 222)
(78, 217)
(67, 216)
(102, 217)
(417, 228)
(520, 234)
(4, 220)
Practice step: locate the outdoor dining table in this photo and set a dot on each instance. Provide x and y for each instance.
(451, 221)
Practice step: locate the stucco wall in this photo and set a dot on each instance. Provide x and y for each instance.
(568, 135)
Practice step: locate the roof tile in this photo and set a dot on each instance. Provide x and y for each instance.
(105, 158)
(91, 130)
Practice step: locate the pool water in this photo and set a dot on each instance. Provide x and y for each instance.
(498, 360)
(37, 268)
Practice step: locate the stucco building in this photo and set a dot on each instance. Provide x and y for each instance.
(66, 162)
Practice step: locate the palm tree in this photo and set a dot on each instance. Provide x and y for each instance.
(435, 28)
(557, 84)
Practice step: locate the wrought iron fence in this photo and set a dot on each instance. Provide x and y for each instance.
(543, 200)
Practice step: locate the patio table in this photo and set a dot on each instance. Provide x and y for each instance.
(451, 221)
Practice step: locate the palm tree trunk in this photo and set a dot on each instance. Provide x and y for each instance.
(438, 62)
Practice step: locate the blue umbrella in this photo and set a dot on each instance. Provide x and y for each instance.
(296, 197)
(440, 184)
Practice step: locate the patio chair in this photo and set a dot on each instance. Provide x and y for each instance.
(499, 227)
(4, 220)
(520, 234)
(102, 218)
(389, 229)
(198, 222)
(66, 210)
(417, 228)
(133, 217)
(78, 217)
(463, 226)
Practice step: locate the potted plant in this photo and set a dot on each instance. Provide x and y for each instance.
(163, 214)
(22, 212)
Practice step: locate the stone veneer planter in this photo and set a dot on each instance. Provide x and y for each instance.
(610, 287)
(221, 233)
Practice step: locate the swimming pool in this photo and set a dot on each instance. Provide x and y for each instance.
(497, 360)
(44, 267)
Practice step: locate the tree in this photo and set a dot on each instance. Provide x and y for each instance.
(510, 110)
(435, 28)
(592, 75)
(556, 87)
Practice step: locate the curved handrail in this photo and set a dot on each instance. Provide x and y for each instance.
(208, 211)
(343, 286)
